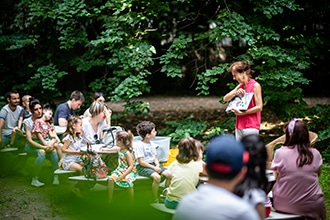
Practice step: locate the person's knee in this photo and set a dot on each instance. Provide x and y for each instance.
(42, 153)
(156, 177)
(167, 174)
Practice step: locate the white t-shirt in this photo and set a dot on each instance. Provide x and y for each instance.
(89, 133)
(213, 202)
(10, 118)
(145, 150)
(255, 196)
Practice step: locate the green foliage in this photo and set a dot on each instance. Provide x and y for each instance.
(137, 107)
(119, 48)
(324, 180)
(271, 8)
(184, 128)
(174, 54)
(45, 79)
(207, 78)
(319, 116)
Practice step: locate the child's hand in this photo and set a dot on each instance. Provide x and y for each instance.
(158, 169)
(120, 178)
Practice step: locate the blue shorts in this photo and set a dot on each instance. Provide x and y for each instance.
(145, 171)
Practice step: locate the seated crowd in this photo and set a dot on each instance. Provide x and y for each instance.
(236, 169)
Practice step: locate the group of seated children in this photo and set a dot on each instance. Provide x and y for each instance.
(242, 174)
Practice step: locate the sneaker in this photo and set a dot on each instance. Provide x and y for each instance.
(35, 182)
(164, 193)
(20, 133)
(56, 180)
(8, 146)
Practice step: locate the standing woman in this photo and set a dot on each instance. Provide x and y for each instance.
(35, 146)
(94, 124)
(247, 122)
(296, 167)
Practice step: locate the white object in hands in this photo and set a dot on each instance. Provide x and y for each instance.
(95, 147)
(240, 103)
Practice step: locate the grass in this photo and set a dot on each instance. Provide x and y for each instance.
(324, 181)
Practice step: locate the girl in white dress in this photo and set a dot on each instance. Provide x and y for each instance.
(71, 145)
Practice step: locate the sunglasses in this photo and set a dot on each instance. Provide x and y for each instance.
(96, 138)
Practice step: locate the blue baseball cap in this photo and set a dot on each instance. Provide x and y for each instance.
(226, 155)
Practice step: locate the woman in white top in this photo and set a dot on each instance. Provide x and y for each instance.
(99, 97)
(94, 125)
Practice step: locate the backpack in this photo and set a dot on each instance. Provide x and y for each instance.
(109, 135)
(94, 166)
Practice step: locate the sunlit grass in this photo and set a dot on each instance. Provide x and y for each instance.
(324, 181)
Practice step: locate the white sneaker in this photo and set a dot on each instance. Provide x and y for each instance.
(56, 180)
(35, 182)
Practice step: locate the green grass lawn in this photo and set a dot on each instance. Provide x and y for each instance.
(324, 181)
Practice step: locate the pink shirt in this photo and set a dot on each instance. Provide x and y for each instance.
(42, 127)
(296, 190)
(250, 120)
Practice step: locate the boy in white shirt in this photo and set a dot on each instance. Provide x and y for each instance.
(146, 156)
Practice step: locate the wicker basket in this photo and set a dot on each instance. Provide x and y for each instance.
(279, 141)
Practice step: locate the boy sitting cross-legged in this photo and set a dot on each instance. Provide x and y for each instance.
(146, 156)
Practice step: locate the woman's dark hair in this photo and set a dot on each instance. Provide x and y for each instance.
(33, 102)
(256, 174)
(97, 95)
(297, 135)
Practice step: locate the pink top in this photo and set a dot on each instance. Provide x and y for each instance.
(296, 190)
(40, 126)
(250, 120)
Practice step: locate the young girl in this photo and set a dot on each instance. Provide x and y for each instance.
(185, 171)
(253, 187)
(71, 145)
(45, 131)
(125, 174)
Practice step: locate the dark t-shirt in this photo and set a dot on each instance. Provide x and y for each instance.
(25, 114)
(63, 111)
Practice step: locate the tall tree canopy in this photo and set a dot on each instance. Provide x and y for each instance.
(123, 47)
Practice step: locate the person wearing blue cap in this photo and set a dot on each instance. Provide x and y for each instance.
(226, 161)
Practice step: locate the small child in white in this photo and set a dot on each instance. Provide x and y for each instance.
(148, 164)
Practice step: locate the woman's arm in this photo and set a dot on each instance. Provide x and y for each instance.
(31, 141)
(260, 207)
(257, 100)
(42, 139)
(230, 95)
